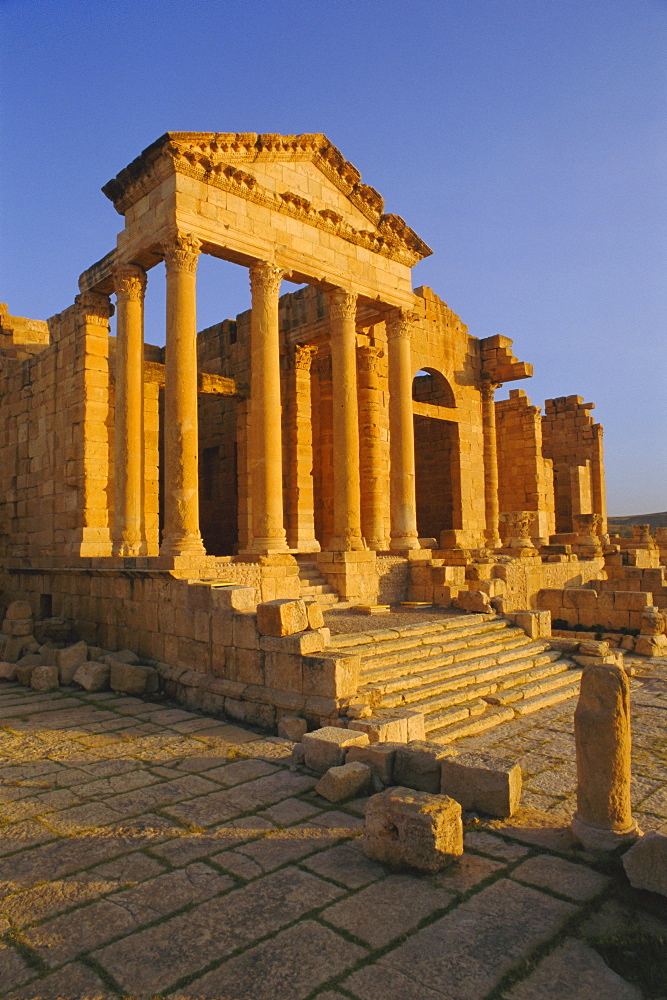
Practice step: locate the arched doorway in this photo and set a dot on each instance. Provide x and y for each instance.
(437, 456)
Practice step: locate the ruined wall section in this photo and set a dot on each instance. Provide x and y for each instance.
(441, 342)
(525, 477)
(574, 443)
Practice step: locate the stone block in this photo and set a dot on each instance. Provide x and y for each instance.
(122, 656)
(44, 678)
(18, 609)
(292, 727)
(92, 676)
(283, 671)
(24, 673)
(245, 633)
(482, 782)
(233, 598)
(406, 828)
(536, 624)
(69, 660)
(326, 747)
(474, 601)
(17, 626)
(646, 862)
(383, 729)
(131, 678)
(591, 647)
(303, 644)
(417, 765)
(283, 617)
(331, 676)
(379, 757)
(315, 614)
(7, 671)
(651, 645)
(344, 782)
(48, 655)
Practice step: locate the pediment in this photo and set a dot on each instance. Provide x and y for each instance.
(304, 176)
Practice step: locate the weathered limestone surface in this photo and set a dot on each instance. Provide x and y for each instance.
(417, 765)
(406, 828)
(344, 782)
(326, 747)
(646, 862)
(602, 732)
(482, 782)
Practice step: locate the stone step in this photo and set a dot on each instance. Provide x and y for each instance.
(461, 624)
(458, 713)
(403, 648)
(470, 726)
(315, 589)
(529, 705)
(535, 682)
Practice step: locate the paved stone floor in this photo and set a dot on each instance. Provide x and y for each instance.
(147, 851)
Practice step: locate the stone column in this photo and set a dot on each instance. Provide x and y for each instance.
(401, 433)
(373, 495)
(181, 535)
(265, 433)
(491, 505)
(347, 493)
(301, 520)
(602, 738)
(129, 533)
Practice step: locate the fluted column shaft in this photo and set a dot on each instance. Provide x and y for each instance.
(491, 504)
(265, 437)
(347, 494)
(129, 533)
(181, 444)
(401, 433)
(373, 492)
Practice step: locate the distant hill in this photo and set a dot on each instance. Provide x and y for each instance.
(623, 525)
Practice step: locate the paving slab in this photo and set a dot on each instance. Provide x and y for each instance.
(573, 971)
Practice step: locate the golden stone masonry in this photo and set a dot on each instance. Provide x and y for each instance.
(338, 442)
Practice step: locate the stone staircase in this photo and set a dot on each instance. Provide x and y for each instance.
(314, 584)
(465, 673)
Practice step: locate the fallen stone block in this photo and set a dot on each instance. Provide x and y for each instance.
(326, 747)
(292, 727)
(646, 862)
(417, 765)
(44, 678)
(345, 782)
(379, 757)
(651, 645)
(594, 661)
(13, 647)
(298, 755)
(69, 660)
(18, 609)
(482, 782)
(54, 630)
(315, 614)
(131, 678)
(92, 676)
(536, 624)
(24, 673)
(122, 656)
(383, 729)
(48, 655)
(7, 671)
(591, 647)
(473, 601)
(284, 617)
(17, 626)
(406, 828)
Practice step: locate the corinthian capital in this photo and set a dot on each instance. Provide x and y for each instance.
(487, 390)
(368, 357)
(303, 356)
(265, 277)
(129, 281)
(95, 307)
(181, 252)
(399, 323)
(342, 304)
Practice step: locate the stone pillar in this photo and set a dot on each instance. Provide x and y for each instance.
(129, 533)
(491, 505)
(323, 431)
(373, 496)
(181, 535)
(602, 737)
(265, 431)
(301, 520)
(347, 493)
(401, 433)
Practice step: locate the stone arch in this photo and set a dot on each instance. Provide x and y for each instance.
(430, 386)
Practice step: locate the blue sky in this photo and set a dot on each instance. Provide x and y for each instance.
(524, 140)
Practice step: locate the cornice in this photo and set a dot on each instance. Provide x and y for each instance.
(213, 157)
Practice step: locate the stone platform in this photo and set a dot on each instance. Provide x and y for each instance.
(148, 851)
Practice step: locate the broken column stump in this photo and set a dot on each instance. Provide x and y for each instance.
(410, 829)
(602, 735)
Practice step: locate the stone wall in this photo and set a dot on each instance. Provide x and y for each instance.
(525, 477)
(574, 444)
(614, 610)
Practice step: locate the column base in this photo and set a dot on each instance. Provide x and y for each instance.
(403, 543)
(596, 839)
(348, 543)
(266, 546)
(127, 549)
(492, 540)
(189, 546)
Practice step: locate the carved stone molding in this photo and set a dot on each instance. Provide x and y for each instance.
(95, 307)
(181, 252)
(265, 277)
(399, 323)
(129, 282)
(342, 304)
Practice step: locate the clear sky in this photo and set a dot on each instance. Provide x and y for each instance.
(524, 140)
